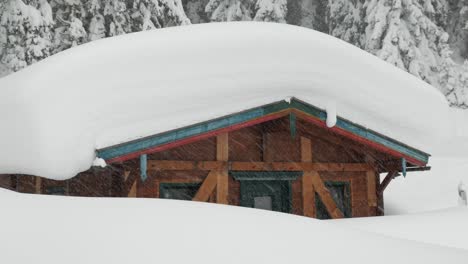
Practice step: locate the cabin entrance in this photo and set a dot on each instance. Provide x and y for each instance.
(266, 190)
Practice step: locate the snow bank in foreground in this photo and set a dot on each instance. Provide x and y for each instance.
(57, 112)
(446, 227)
(103, 230)
(428, 190)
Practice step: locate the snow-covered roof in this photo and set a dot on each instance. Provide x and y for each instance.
(56, 113)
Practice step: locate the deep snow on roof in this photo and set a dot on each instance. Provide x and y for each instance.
(57, 112)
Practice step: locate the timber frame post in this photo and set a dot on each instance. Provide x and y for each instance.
(308, 192)
(218, 177)
(372, 198)
(222, 154)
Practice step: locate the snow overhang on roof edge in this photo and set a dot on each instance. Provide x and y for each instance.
(188, 134)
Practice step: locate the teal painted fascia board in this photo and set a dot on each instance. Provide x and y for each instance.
(249, 115)
(381, 139)
(190, 131)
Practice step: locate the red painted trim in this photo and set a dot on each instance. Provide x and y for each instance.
(185, 141)
(270, 117)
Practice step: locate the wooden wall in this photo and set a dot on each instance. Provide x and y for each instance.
(270, 141)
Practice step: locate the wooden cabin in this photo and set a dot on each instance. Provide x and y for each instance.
(279, 157)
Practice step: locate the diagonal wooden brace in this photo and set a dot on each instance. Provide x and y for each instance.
(324, 194)
(207, 187)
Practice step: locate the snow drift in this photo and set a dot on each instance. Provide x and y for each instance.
(106, 230)
(55, 113)
(445, 227)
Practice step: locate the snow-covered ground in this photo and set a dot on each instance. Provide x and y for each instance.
(48, 229)
(445, 227)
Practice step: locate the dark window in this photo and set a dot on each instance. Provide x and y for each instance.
(341, 194)
(55, 190)
(178, 191)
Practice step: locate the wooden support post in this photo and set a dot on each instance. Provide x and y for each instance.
(306, 150)
(308, 195)
(308, 192)
(325, 195)
(38, 185)
(222, 154)
(207, 187)
(371, 189)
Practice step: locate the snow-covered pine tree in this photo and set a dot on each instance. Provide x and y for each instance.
(3, 40)
(271, 11)
(151, 14)
(3, 33)
(69, 30)
(230, 10)
(308, 13)
(118, 17)
(27, 32)
(458, 96)
(402, 33)
(458, 28)
(449, 76)
(195, 10)
(346, 21)
(96, 28)
(172, 13)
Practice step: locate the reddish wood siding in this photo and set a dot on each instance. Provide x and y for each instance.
(270, 141)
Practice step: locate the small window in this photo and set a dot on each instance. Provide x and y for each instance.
(178, 191)
(341, 194)
(55, 190)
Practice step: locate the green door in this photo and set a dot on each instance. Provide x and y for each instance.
(266, 194)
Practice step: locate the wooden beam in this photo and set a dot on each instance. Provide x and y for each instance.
(297, 166)
(222, 154)
(371, 188)
(161, 165)
(308, 192)
(255, 166)
(38, 186)
(325, 195)
(390, 176)
(308, 195)
(207, 187)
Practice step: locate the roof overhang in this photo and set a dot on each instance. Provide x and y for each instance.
(178, 137)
